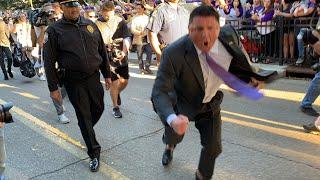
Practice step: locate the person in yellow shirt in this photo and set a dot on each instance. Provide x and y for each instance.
(5, 30)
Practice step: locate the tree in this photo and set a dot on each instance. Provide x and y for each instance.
(5, 4)
(25, 4)
(19, 4)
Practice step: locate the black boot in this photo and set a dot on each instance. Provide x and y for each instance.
(10, 73)
(6, 77)
(5, 74)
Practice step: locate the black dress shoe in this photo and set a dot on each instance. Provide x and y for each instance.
(309, 111)
(94, 165)
(167, 157)
(6, 77)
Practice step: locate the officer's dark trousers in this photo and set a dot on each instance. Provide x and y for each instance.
(5, 51)
(208, 122)
(86, 96)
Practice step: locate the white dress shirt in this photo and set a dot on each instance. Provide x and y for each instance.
(211, 81)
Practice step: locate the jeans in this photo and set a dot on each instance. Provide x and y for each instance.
(59, 106)
(140, 50)
(300, 42)
(7, 52)
(313, 92)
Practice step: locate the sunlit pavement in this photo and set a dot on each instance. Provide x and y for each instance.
(261, 140)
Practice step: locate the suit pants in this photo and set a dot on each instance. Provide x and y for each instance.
(209, 126)
(86, 96)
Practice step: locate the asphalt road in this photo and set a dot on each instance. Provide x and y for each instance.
(261, 140)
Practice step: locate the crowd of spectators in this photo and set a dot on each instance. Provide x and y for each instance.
(268, 17)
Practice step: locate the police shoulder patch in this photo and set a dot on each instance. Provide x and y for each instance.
(90, 28)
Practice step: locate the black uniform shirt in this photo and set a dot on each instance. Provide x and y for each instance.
(76, 46)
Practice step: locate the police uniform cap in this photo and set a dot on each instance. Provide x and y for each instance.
(70, 3)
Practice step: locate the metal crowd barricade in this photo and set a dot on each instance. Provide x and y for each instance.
(261, 45)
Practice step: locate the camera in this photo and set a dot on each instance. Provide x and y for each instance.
(309, 38)
(5, 115)
(43, 18)
(114, 50)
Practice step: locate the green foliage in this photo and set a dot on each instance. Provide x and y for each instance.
(24, 4)
(19, 4)
(6, 4)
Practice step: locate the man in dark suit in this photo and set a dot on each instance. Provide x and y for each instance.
(186, 89)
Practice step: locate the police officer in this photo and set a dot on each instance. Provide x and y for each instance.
(169, 22)
(76, 45)
(114, 28)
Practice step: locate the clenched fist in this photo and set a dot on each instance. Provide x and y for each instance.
(180, 124)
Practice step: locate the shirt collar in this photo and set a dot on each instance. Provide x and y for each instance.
(173, 5)
(213, 50)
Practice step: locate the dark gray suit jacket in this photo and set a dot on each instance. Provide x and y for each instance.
(179, 87)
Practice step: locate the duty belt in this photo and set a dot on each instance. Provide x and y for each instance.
(71, 75)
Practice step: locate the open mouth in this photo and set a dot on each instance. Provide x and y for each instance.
(206, 43)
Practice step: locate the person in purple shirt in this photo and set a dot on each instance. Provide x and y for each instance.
(253, 9)
(235, 12)
(266, 28)
(229, 4)
(236, 9)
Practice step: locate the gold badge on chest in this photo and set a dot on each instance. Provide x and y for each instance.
(90, 29)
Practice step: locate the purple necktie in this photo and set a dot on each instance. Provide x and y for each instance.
(232, 81)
